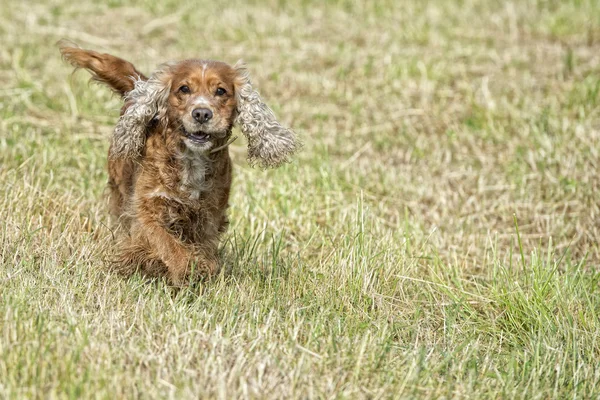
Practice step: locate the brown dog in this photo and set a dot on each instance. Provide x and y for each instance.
(169, 166)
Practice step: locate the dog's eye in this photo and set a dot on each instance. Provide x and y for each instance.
(220, 92)
(184, 89)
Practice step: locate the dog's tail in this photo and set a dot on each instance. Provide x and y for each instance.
(118, 74)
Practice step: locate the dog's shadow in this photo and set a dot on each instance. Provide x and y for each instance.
(255, 258)
(258, 257)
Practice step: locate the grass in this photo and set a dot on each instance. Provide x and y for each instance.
(438, 237)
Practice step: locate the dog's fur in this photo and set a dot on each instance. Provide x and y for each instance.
(169, 168)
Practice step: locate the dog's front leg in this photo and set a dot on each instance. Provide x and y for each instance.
(174, 254)
(180, 259)
(171, 251)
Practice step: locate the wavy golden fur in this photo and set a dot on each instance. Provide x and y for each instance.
(169, 165)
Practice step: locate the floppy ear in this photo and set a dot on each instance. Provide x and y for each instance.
(269, 143)
(146, 102)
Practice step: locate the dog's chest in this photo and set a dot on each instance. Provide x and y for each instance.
(194, 173)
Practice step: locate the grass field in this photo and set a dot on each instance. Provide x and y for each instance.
(437, 237)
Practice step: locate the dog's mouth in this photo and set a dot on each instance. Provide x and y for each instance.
(197, 137)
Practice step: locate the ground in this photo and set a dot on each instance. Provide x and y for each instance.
(437, 237)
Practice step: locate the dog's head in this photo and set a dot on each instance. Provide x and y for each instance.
(198, 102)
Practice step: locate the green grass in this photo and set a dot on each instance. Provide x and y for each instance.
(438, 237)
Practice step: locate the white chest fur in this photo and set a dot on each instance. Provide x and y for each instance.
(195, 169)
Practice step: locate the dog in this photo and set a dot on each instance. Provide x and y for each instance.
(168, 162)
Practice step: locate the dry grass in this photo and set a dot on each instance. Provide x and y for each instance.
(385, 262)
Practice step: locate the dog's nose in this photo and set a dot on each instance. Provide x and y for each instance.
(202, 114)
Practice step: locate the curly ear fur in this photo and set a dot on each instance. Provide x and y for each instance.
(269, 143)
(147, 101)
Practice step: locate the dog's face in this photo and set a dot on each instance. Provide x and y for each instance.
(202, 102)
(196, 102)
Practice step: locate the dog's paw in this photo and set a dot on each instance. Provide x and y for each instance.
(184, 272)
